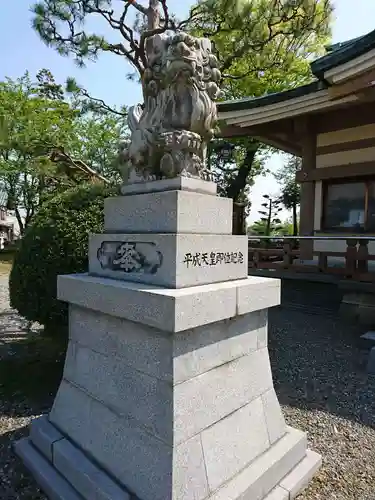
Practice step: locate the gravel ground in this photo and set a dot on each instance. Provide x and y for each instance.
(320, 378)
(15, 413)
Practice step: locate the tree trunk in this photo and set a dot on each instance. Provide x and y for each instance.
(239, 219)
(295, 221)
(20, 222)
(268, 228)
(153, 15)
(239, 183)
(28, 217)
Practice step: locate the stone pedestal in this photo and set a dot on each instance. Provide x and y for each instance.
(167, 391)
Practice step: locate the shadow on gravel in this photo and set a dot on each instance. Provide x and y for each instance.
(15, 481)
(317, 364)
(30, 372)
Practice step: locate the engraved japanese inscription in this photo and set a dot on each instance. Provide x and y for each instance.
(130, 256)
(199, 259)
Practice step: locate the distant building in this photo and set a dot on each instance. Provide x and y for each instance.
(9, 230)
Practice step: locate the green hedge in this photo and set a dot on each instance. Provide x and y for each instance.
(56, 243)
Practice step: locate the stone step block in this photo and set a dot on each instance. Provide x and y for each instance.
(300, 476)
(277, 494)
(47, 477)
(43, 435)
(262, 475)
(169, 260)
(88, 479)
(169, 212)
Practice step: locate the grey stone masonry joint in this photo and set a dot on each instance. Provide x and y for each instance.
(43, 435)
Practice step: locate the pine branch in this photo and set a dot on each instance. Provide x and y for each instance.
(103, 105)
(73, 88)
(133, 53)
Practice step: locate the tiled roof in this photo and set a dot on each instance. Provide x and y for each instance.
(255, 102)
(340, 53)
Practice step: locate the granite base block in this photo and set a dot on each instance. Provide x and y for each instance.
(67, 470)
(169, 212)
(172, 358)
(170, 310)
(262, 475)
(297, 480)
(280, 473)
(174, 184)
(167, 394)
(169, 260)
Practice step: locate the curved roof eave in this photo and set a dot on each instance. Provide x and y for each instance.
(341, 53)
(257, 102)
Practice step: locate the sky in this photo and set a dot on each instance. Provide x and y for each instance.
(23, 50)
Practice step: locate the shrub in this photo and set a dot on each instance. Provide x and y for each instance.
(56, 243)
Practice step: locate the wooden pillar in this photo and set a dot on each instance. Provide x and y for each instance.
(307, 208)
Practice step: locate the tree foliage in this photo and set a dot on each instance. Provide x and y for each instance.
(30, 126)
(259, 228)
(95, 144)
(48, 144)
(290, 189)
(263, 46)
(270, 214)
(56, 243)
(272, 32)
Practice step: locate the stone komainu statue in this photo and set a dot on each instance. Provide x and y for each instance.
(170, 131)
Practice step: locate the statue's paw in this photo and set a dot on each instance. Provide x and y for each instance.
(167, 166)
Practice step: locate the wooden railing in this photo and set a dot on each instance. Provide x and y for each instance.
(282, 253)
